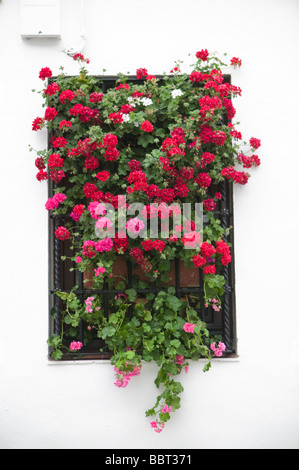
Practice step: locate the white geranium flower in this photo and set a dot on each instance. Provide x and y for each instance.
(126, 118)
(176, 93)
(146, 101)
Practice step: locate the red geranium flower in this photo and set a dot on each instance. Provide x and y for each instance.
(203, 54)
(62, 233)
(147, 126)
(45, 73)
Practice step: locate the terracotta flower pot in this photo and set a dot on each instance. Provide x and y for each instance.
(189, 277)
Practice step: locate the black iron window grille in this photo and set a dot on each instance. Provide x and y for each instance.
(61, 278)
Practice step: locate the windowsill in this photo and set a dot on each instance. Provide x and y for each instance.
(76, 362)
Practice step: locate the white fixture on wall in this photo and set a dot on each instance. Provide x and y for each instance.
(40, 19)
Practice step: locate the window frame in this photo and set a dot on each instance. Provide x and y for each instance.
(226, 215)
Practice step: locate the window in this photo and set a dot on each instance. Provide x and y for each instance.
(63, 276)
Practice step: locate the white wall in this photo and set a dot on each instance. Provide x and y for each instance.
(250, 402)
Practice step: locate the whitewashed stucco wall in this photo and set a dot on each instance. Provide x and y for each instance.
(250, 402)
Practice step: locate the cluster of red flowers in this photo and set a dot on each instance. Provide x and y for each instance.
(236, 62)
(206, 259)
(116, 118)
(249, 161)
(120, 243)
(203, 54)
(138, 179)
(45, 73)
(140, 73)
(149, 245)
(109, 143)
(65, 123)
(203, 179)
(103, 176)
(239, 177)
(96, 97)
(66, 95)
(50, 114)
(55, 161)
(52, 89)
(85, 113)
(137, 254)
(181, 176)
(77, 212)
(62, 233)
(147, 126)
(80, 58)
(59, 142)
(37, 124)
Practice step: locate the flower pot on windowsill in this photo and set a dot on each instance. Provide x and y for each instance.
(189, 277)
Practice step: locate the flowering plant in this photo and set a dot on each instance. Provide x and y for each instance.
(148, 144)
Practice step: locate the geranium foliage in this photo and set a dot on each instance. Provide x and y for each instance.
(148, 140)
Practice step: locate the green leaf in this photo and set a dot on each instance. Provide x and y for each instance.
(130, 355)
(132, 294)
(207, 367)
(57, 354)
(54, 341)
(176, 343)
(108, 331)
(148, 315)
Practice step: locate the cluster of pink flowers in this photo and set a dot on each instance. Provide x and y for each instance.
(96, 209)
(166, 409)
(179, 359)
(214, 303)
(106, 244)
(76, 345)
(158, 427)
(123, 377)
(189, 327)
(191, 239)
(88, 303)
(218, 351)
(135, 225)
(53, 202)
(99, 270)
(90, 247)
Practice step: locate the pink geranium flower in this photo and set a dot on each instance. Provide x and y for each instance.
(75, 345)
(189, 327)
(218, 351)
